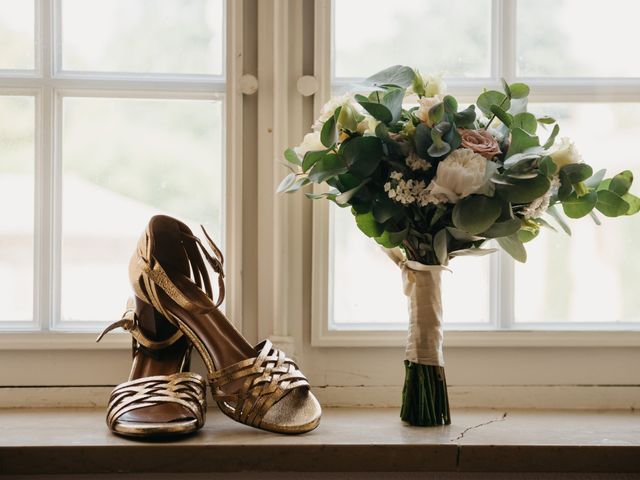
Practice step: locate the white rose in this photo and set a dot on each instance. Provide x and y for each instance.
(434, 85)
(425, 105)
(462, 173)
(565, 153)
(330, 107)
(368, 126)
(310, 143)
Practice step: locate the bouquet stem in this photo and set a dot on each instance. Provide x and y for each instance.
(425, 402)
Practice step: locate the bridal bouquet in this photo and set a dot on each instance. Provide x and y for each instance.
(429, 181)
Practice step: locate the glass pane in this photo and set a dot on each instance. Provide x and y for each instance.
(16, 197)
(367, 285)
(592, 275)
(452, 37)
(572, 38)
(147, 36)
(125, 160)
(16, 34)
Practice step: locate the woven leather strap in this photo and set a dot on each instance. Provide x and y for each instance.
(267, 378)
(186, 389)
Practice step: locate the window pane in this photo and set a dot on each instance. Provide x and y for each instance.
(452, 37)
(592, 275)
(367, 285)
(571, 38)
(16, 198)
(147, 36)
(16, 34)
(125, 160)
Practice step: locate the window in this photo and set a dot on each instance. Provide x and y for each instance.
(573, 77)
(119, 116)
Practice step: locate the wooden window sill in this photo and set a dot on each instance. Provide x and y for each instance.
(65, 441)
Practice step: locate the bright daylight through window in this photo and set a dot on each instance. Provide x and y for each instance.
(101, 144)
(561, 285)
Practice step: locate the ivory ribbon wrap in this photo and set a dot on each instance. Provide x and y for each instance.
(422, 287)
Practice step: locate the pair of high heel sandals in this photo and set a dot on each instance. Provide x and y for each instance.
(173, 311)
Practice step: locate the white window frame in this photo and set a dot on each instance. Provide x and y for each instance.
(502, 330)
(48, 83)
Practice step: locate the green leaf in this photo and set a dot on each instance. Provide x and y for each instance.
(577, 172)
(565, 186)
(595, 218)
(286, 183)
(393, 101)
(476, 213)
(399, 75)
(552, 138)
(526, 121)
(621, 183)
(362, 155)
(439, 147)
(422, 140)
(378, 111)
(328, 166)
(344, 197)
(492, 97)
(595, 179)
(546, 120)
(634, 203)
(578, 207)
(524, 190)
(368, 225)
(505, 87)
(520, 141)
(436, 113)
(504, 117)
(329, 133)
(440, 247)
(611, 204)
(503, 229)
(513, 247)
(463, 236)
(527, 234)
(466, 118)
(547, 166)
(292, 157)
(553, 212)
(450, 104)
(383, 211)
(310, 158)
(519, 90)
(392, 239)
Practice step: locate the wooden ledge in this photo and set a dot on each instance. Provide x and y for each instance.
(64, 441)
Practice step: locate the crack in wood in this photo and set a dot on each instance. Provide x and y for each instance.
(502, 418)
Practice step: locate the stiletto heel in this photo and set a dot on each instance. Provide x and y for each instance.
(161, 397)
(258, 386)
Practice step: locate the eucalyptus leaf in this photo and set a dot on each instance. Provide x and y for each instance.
(611, 204)
(399, 75)
(463, 236)
(393, 101)
(292, 157)
(503, 229)
(344, 197)
(329, 133)
(392, 239)
(513, 247)
(492, 97)
(502, 115)
(521, 141)
(595, 217)
(466, 117)
(577, 172)
(450, 104)
(552, 138)
(546, 120)
(476, 213)
(440, 247)
(378, 111)
(436, 113)
(578, 207)
(634, 203)
(384, 211)
(547, 166)
(473, 252)
(368, 225)
(310, 159)
(565, 188)
(526, 121)
(519, 90)
(557, 216)
(621, 183)
(595, 179)
(525, 190)
(362, 155)
(328, 166)
(286, 183)
(422, 140)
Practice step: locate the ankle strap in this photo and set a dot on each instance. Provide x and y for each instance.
(129, 322)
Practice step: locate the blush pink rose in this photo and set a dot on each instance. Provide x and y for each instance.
(480, 141)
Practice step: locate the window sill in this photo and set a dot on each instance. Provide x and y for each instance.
(65, 441)
(63, 341)
(460, 338)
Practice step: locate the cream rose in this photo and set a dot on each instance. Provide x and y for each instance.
(565, 153)
(480, 141)
(310, 143)
(330, 107)
(459, 175)
(368, 126)
(425, 105)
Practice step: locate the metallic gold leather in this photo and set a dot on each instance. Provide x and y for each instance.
(185, 388)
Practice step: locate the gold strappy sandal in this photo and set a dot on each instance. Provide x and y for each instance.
(258, 386)
(161, 398)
